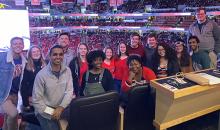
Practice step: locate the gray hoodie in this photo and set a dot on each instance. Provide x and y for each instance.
(51, 91)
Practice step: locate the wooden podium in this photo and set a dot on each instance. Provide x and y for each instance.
(178, 105)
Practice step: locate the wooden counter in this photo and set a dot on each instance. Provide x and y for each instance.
(177, 106)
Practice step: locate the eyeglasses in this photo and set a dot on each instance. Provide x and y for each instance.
(200, 13)
(161, 49)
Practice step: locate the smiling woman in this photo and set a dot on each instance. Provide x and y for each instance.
(96, 80)
(165, 61)
(137, 75)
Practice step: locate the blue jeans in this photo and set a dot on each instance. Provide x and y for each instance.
(47, 124)
(117, 85)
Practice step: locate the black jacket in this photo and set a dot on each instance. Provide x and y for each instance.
(28, 82)
(172, 68)
(75, 70)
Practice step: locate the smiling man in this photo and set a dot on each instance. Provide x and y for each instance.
(53, 90)
(150, 49)
(136, 47)
(64, 42)
(200, 58)
(208, 33)
(12, 64)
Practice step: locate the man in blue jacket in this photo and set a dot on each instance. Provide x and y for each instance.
(12, 64)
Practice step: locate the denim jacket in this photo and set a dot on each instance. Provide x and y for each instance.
(6, 73)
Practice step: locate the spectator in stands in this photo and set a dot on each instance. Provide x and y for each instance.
(208, 33)
(109, 62)
(165, 61)
(53, 89)
(79, 66)
(137, 75)
(136, 47)
(97, 79)
(183, 57)
(120, 65)
(150, 49)
(200, 58)
(35, 63)
(13, 64)
(64, 41)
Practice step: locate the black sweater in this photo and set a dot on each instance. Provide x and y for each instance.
(28, 82)
(172, 68)
(75, 70)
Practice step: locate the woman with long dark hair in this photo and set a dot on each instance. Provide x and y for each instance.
(183, 57)
(79, 66)
(165, 61)
(120, 65)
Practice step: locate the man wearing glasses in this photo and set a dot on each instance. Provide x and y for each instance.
(208, 33)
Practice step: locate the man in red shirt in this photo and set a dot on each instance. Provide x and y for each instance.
(136, 48)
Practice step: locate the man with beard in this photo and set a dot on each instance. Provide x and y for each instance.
(200, 58)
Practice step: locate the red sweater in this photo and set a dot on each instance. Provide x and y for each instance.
(110, 67)
(120, 68)
(148, 75)
(139, 51)
(83, 69)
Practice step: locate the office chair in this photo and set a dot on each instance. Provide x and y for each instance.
(139, 111)
(98, 112)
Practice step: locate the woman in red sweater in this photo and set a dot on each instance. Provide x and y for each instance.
(120, 65)
(109, 62)
(79, 66)
(137, 75)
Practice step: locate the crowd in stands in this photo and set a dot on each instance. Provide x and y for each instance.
(100, 39)
(58, 22)
(66, 21)
(103, 6)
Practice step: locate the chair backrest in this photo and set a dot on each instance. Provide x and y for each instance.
(99, 112)
(138, 111)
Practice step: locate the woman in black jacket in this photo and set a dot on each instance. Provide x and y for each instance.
(79, 66)
(35, 63)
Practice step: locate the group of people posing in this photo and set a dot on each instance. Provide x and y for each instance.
(64, 75)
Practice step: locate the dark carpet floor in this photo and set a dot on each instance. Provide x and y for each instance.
(207, 122)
